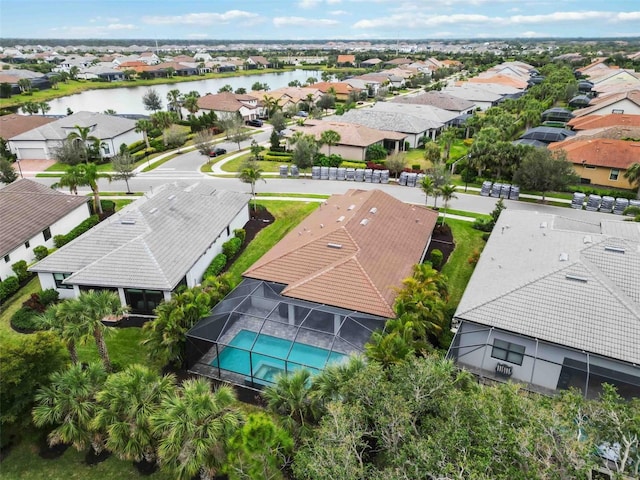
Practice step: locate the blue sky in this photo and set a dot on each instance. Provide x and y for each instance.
(317, 19)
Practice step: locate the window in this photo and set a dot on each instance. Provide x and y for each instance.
(46, 233)
(27, 244)
(59, 277)
(7, 259)
(592, 167)
(509, 352)
(617, 110)
(615, 173)
(105, 149)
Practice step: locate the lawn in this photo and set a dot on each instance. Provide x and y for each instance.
(287, 216)
(457, 269)
(234, 165)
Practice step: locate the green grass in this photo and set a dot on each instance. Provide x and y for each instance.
(13, 304)
(287, 215)
(451, 211)
(24, 463)
(121, 203)
(293, 195)
(119, 194)
(457, 268)
(235, 164)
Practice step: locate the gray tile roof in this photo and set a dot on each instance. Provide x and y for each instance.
(388, 121)
(27, 208)
(589, 301)
(105, 126)
(151, 243)
(437, 99)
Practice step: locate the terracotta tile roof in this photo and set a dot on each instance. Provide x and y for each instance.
(12, 125)
(350, 133)
(4, 78)
(224, 102)
(501, 80)
(28, 207)
(612, 133)
(600, 152)
(601, 121)
(346, 59)
(399, 61)
(332, 258)
(341, 88)
(132, 65)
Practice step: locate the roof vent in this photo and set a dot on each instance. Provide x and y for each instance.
(153, 210)
(351, 207)
(364, 221)
(341, 218)
(543, 224)
(334, 245)
(564, 257)
(373, 210)
(128, 221)
(171, 197)
(613, 249)
(577, 278)
(587, 239)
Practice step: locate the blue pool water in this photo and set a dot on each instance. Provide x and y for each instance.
(269, 356)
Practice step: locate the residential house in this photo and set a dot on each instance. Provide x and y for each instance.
(101, 71)
(32, 214)
(354, 138)
(371, 63)
(257, 61)
(150, 248)
(588, 122)
(226, 104)
(39, 143)
(624, 102)
(396, 62)
(341, 90)
(14, 124)
(476, 93)
(346, 61)
(508, 84)
(317, 295)
(601, 161)
(438, 99)
(554, 303)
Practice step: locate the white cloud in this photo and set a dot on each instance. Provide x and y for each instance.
(303, 22)
(205, 18)
(309, 3)
(338, 12)
(333, 2)
(93, 30)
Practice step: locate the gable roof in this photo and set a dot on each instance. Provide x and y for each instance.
(104, 126)
(341, 88)
(437, 99)
(152, 243)
(225, 102)
(589, 302)
(604, 101)
(346, 59)
(601, 121)
(12, 125)
(503, 80)
(259, 60)
(600, 152)
(350, 133)
(28, 207)
(335, 259)
(385, 120)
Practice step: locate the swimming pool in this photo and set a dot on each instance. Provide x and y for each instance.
(269, 356)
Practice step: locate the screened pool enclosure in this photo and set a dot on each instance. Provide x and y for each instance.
(255, 334)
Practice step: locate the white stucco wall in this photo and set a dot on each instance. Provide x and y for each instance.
(626, 105)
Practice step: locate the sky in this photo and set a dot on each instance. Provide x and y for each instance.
(317, 19)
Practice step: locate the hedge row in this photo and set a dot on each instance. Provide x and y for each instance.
(60, 240)
(216, 266)
(272, 158)
(8, 287)
(26, 318)
(279, 154)
(230, 248)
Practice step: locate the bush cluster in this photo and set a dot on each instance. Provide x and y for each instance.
(349, 164)
(26, 318)
(436, 258)
(589, 189)
(216, 266)
(240, 233)
(61, 240)
(8, 287)
(20, 269)
(40, 252)
(231, 247)
(273, 158)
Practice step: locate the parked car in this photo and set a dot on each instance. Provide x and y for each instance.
(254, 123)
(216, 152)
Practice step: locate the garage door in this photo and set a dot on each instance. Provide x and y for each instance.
(31, 154)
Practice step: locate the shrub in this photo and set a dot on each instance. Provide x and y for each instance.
(277, 153)
(483, 225)
(108, 206)
(436, 258)
(8, 287)
(348, 164)
(48, 296)
(415, 166)
(20, 269)
(25, 320)
(40, 252)
(136, 146)
(231, 247)
(468, 142)
(485, 236)
(272, 158)
(88, 223)
(216, 266)
(240, 233)
(475, 256)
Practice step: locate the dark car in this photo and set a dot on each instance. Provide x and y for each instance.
(254, 123)
(216, 152)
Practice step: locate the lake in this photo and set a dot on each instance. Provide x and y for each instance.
(129, 99)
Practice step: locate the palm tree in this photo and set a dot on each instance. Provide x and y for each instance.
(144, 125)
(329, 138)
(44, 107)
(190, 102)
(73, 72)
(73, 177)
(426, 185)
(251, 173)
(126, 404)
(388, 348)
(92, 308)
(291, 396)
(194, 425)
(59, 319)
(327, 384)
(447, 192)
(270, 104)
(91, 175)
(69, 403)
(174, 102)
(633, 175)
(163, 120)
(83, 137)
(446, 139)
